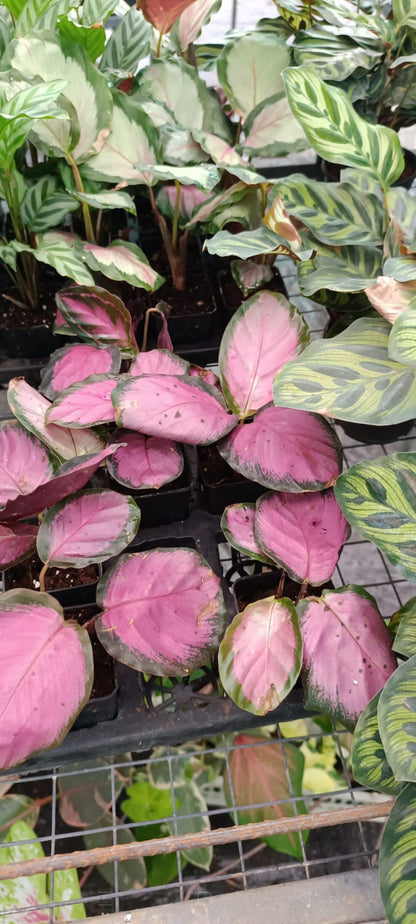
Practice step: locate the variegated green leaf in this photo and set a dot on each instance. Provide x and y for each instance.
(45, 205)
(177, 85)
(337, 132)
(127, 45)
(271, 129)
(250, 276)
(55, 251)
(404, 12)
(333, 56)
(341, 269)
(378, 497)
(133, 138)
(206, 176)
(180, 148)
(350, 377)
(401, 268)
(370, 766)
(97, 11)
(250, 68)
(252, 243)
(397, 720)
(398, 859)
(108, 199)
(41, 14)
(123, 261)
(92, 38)
(18, 114)
(405, 633)
(402, 342)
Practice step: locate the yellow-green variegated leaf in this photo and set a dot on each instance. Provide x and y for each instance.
(123, 261)
(248, 244)
(402, 209)
(54, 250)
(404, 12)
(398, 859)
(341, 269)
(271, 129)
(402, 342)
(334, 56)
(378, 497)
(401, 268)
(397, 720)
(370, 766)
(250, 69)
(350, 376)
(133, 138)
(45, 205)
(337, 132)
(205, 176)
(405, 633)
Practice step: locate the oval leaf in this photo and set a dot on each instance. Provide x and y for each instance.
(85, 404)
(144, 461)
(24, 462)
(75, 362)
(263, 335)
(46, 674)
(369, 762)
(125, 262)
(302, 533)
(285, 450)
(185, 409)
(397, 720)
(250, 69)
(162, 362)
(97, 316)
(164, 611)
(347, 654)
(260, 656)
(92, 526)
(398, 859)
(237, 524)
(250, 276)
(16, 543)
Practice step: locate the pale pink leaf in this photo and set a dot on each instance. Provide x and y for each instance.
(162, 362)
(74, 363)
(164, 340)
(24, 462)
(250, 276)
(144, 461)
(97, 316)
(85, 404)
(390, 297)
(237, 524)
(16, 543)
(192, 19)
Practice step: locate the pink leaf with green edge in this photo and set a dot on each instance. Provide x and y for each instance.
(249, 275)
(266, 773)
(302, 533)
(191, 197)
(285, 450)
(74, 363)
(163, 13)
(144, 461)
(124, 262)
(89, 527)
(45, 674)
(237, 524)
(24, 462)
(347, 653)
(260, 656)
(31, 408)
(162, 362)
(185, 409)
(263, 335)
(86, 404)
(97, 316)
(61, 327)
(164, 611)
(16, 543)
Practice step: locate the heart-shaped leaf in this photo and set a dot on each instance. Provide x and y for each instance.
(125, 262)
(398, 859)
(163, 13)
(302, 533)
(16, 543)
(285, 451)
(260, 656)
(263, 335)
(397, 722)
(25, 463)
(46, 674)
(237, 524)
(85, 404)
(185, 409)
(90, 527)
(75, 362)
(162, 362)
(163, 611)
(370, 766)
(97, 316)
(144, 461)
(347, 656)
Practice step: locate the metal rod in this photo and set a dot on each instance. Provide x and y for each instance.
(165, 845)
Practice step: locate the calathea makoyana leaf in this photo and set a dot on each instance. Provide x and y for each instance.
(398, 859)
(370, 766)
(397, 720)
(144, 462)
(237, 524)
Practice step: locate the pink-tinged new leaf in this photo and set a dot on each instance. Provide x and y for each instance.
(161, 362)
(24, 462)
(347, 649)
(185, 409)
(164, 340)
(285, 450)
(16, 543)
(76, 362)
(302, 533)
(45, 674)
(263, 335)
(85, 404)
(163, 13)
(144, 461)
(390, 297)
(237, 524)
(97, 316)
(89, 527)
(250, 276)
(163, 611)
(260, 656)
(207, 375)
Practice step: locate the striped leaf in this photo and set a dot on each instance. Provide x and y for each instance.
(337, 132)
(124, 262)
(334, 57)
(404, 12)
(271, 129)
(251, 244)
(404, 625)
(45, 206)
(54, 250)
(19, 113)
(250, 68)
(398, 859)
(401, 268)
(370, 766)
(397, 720)
(41, 14)
(133, 139)
(378, 497)
(127, 45)
(350, 377)
(402, 341)
(97, 11)
(341, 269)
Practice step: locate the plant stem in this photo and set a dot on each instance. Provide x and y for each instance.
(280, 587)
(89, 230)
(42, 577)
(159, 45)
(175, 222)
(303, 591)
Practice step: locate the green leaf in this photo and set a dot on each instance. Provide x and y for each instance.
(108, 199)
(402, 342)
(123, 261)
(398, 859)
(127, 45)
(250, 69)
(147, 803)
(190, 801)
(334, 56)
(405, 634)
(97, 11)
(341, 269)
(131, 874)
(44, 205)
(337, 132)
(397, 720)
(350, 377)
(132, 139)
(34, 13)
(401, 268)
(206, 176)
(404, 12)
(66, 888)
(370, 766)
(18, 114)
(13, 805)
(251, 243)
(92, 38)
(54, 250)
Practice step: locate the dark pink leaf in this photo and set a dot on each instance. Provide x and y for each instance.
(85, 404)
(285, 450)
(184, 409)
(164, 611)
(45, 674)
(61, 327)
(24, 462)
(89, 527)
(263, 335)
(163, 362)
(16, 543)
(237, 524)
(163, 13)
(260, 656)
(347, 651)
(303, 533)
(75, 362)
(164, 340)
(144, 461)
(97, 316)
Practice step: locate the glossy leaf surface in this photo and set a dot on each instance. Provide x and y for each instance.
(75, 362)
(25, 463)
(16, 543)
(397, 720)
(144, 461)
(162, 362)
(237, 524)
(97, 316)
(398, 859)
(370, 766)
(85, 404)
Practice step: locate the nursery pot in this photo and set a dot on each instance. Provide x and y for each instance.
(368, 433)
(220, 484)
(102, 704)
(70, 586)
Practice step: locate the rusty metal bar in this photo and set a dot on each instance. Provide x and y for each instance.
(152, 848)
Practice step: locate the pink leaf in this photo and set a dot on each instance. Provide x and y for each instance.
(263, 335)
(250, 276)
(164, 611)
(16, 543)
(61, 327)
(285, 450)
(184, 409)
(162, 362)
(163, 13)
(390, 297)
(237, 524)
(260, 656)
(347, 651)
(144, 461)
(302, 533)
(97, 316)
(45, 674)
(24, 462)
(164, 340)
(75, 362)
(89, 527)
(85, 404)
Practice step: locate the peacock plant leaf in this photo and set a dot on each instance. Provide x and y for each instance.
(402, 340)
(133, 139)
(396, 718)
(370, 766)
(340, 269)
(237, 524)
(285, 451)
(17, 542)
(250, 69)
(164, 612)
(347, 656)
(25, 463)
(403, 626)
(124, 262)
(254, 243)
(128, 44)
(162, 362)
(401, 268)
(144, 462)
(85, 404)
(20, 112)
(46, 674)
(397, 859)
(250, 276)
(97, 316)
(260, 656)
(75, 362)
(61, 252)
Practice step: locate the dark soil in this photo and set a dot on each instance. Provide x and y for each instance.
(195, 299)
(104, 675)
(215, 469)
(21, 316)
(26, 574)
(266, 585)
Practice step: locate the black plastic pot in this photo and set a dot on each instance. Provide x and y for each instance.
(30, 343)
(257, 586)
(99, 708)
(229, 295)
(169, 503)
(331, 172)
(223, 486)
(67, 596)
